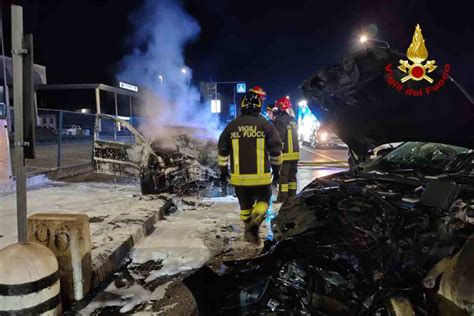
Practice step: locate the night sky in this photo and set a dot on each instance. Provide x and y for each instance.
(274, 43)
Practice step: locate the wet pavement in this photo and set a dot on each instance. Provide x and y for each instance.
(325, 154)
(184, 240)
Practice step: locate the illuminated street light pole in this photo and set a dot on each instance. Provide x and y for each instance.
(161, 78)
(184, 71)
(364, 39)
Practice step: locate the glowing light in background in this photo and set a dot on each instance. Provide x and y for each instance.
(303, 103)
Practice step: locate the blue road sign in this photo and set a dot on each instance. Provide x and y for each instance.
(241, 88)
(232, 110)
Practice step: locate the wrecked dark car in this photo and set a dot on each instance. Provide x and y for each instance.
(176, 163)
(391, 236)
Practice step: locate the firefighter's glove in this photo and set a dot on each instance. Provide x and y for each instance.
(224, 174)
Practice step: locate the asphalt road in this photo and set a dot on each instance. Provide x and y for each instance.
(320, 162)
(323, 155)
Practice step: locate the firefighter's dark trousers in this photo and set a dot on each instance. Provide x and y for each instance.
(287, 186)
(253, 202)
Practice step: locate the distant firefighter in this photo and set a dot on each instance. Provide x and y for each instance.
(270, 112)
(287, 127)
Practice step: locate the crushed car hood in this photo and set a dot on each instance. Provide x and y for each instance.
(355, 100)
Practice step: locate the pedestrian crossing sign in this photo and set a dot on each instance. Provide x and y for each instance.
(241, 88)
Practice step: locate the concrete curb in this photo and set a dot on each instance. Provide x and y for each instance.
(68, 172)
(115, 260)
(38, 178)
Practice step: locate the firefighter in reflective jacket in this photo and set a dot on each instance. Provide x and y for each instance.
(287, 127)
(252, 146)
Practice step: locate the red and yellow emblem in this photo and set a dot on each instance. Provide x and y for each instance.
(417, 53)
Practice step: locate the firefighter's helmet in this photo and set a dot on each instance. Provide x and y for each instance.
(251, 101)
(284, 105)
(259, 91)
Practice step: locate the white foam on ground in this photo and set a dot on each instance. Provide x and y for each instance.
(119, 205)
(159, 292)
(224, 199)
(177, 242)
(127, 297)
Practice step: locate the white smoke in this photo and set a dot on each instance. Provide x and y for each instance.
(162, 29)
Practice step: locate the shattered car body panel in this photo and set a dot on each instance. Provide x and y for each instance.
(160, 168)
(384, 238)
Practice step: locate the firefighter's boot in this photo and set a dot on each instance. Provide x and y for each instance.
(251, 233)
(282, 193)
(257, 218)
(245, 216)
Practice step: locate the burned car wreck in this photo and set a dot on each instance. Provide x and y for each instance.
(176, 163)
(391, 236)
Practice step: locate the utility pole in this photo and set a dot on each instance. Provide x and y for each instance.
(17, 59)
(23, 91)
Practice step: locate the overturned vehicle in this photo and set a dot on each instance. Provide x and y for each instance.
(178, 161)
(391, 236)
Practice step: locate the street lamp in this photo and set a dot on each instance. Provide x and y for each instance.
(161, 78)
(184, 71)
(364, 38)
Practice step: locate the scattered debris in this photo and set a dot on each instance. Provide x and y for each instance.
(167, 308)
(232, 228)
(97, 219)
(191, 204)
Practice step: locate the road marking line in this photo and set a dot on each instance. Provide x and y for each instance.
(324, 156)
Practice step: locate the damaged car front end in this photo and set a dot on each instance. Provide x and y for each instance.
(391, 236)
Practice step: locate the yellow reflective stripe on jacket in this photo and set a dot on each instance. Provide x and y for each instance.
(260, 156)
(292, 186)
(290, 140)
(250, 179)
(283, 187)
(276, 160)
(291, 156)
(222, 160)
(235, 149)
